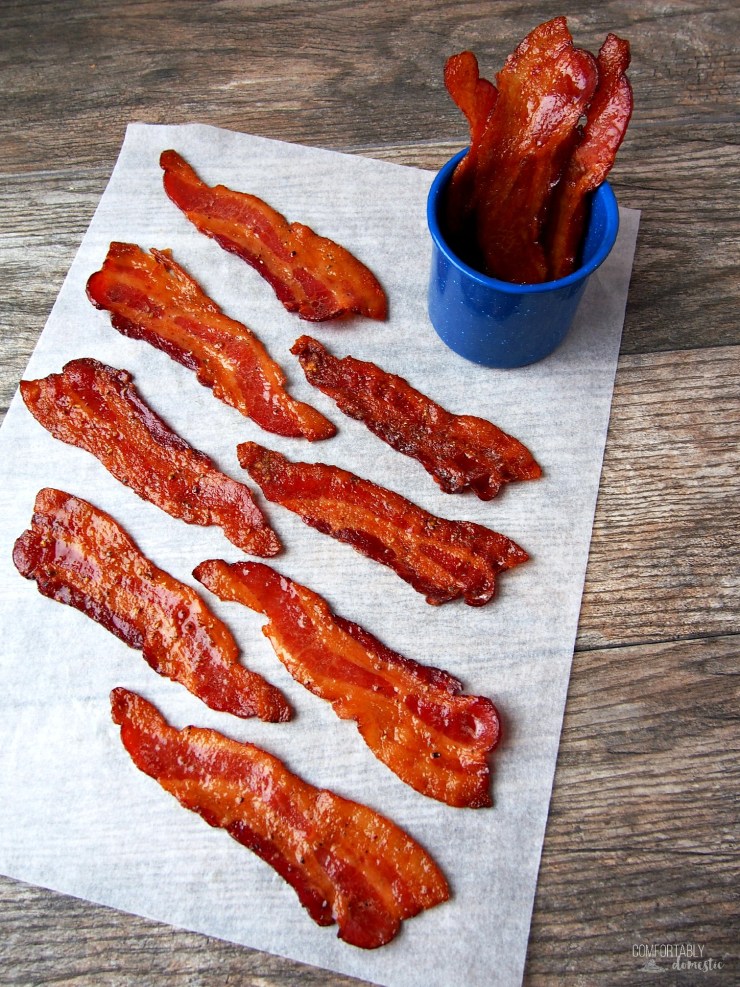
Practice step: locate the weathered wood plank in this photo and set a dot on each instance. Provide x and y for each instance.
(665, 554)
(684, 291)
(43, 217)
(333, 73)
(633, 716)
(52, 938)
(642, 838)
(585, 929)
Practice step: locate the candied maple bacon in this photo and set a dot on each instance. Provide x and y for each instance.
(460, 451)
(150, 297)
(79, 555)
(442, 559)
(97, 408)
(414, 718)
(517, 203)
(310, 274)
(346, 862)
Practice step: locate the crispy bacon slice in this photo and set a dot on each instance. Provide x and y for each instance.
(79, 555)
(543, 89)
(151, 297)
(347, 863)
(412, 717)
(459, 451)
(516, 203)
(310, 274)
(476, 97)
(442, 559)
(97, 408)
(607, 118)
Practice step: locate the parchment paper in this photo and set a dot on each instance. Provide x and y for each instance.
(75, 814)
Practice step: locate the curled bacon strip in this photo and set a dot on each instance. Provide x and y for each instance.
(476, 97)
(79, 555)
(543, 89)
(412, 717)
(442, 559)
(459, 451)
(516, 203)
(151, 297)
(347, 863)
(311, 275)
(97, 408)
(607, 118)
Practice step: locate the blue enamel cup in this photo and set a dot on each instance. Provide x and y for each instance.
(505, 325)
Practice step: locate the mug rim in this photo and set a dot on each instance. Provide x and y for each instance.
(604, 192)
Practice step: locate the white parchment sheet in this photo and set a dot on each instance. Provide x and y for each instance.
(75, 814)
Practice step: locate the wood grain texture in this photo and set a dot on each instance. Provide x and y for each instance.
(336, 72)
(53, 938)
(665, 558)
(641, 844)
(367, 78)
(645, 810)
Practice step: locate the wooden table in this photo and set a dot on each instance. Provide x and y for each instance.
(641, 846)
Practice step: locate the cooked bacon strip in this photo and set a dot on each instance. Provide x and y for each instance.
(476, 97)
(97, 408)
(442, 559)
(412, 717)
(543, 89)
(347, 863)
(310, 274)
(607, 118)
(459, 451)
(151, 297)
(79, 555)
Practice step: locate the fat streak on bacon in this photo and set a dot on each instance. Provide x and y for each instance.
(442, 559)
(460, 451)
(414, 718)
(79, 555)
(151, 297)
(310, 274)
(97, 408)
(348, 864)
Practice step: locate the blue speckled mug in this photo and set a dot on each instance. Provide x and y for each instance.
(505, 325)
